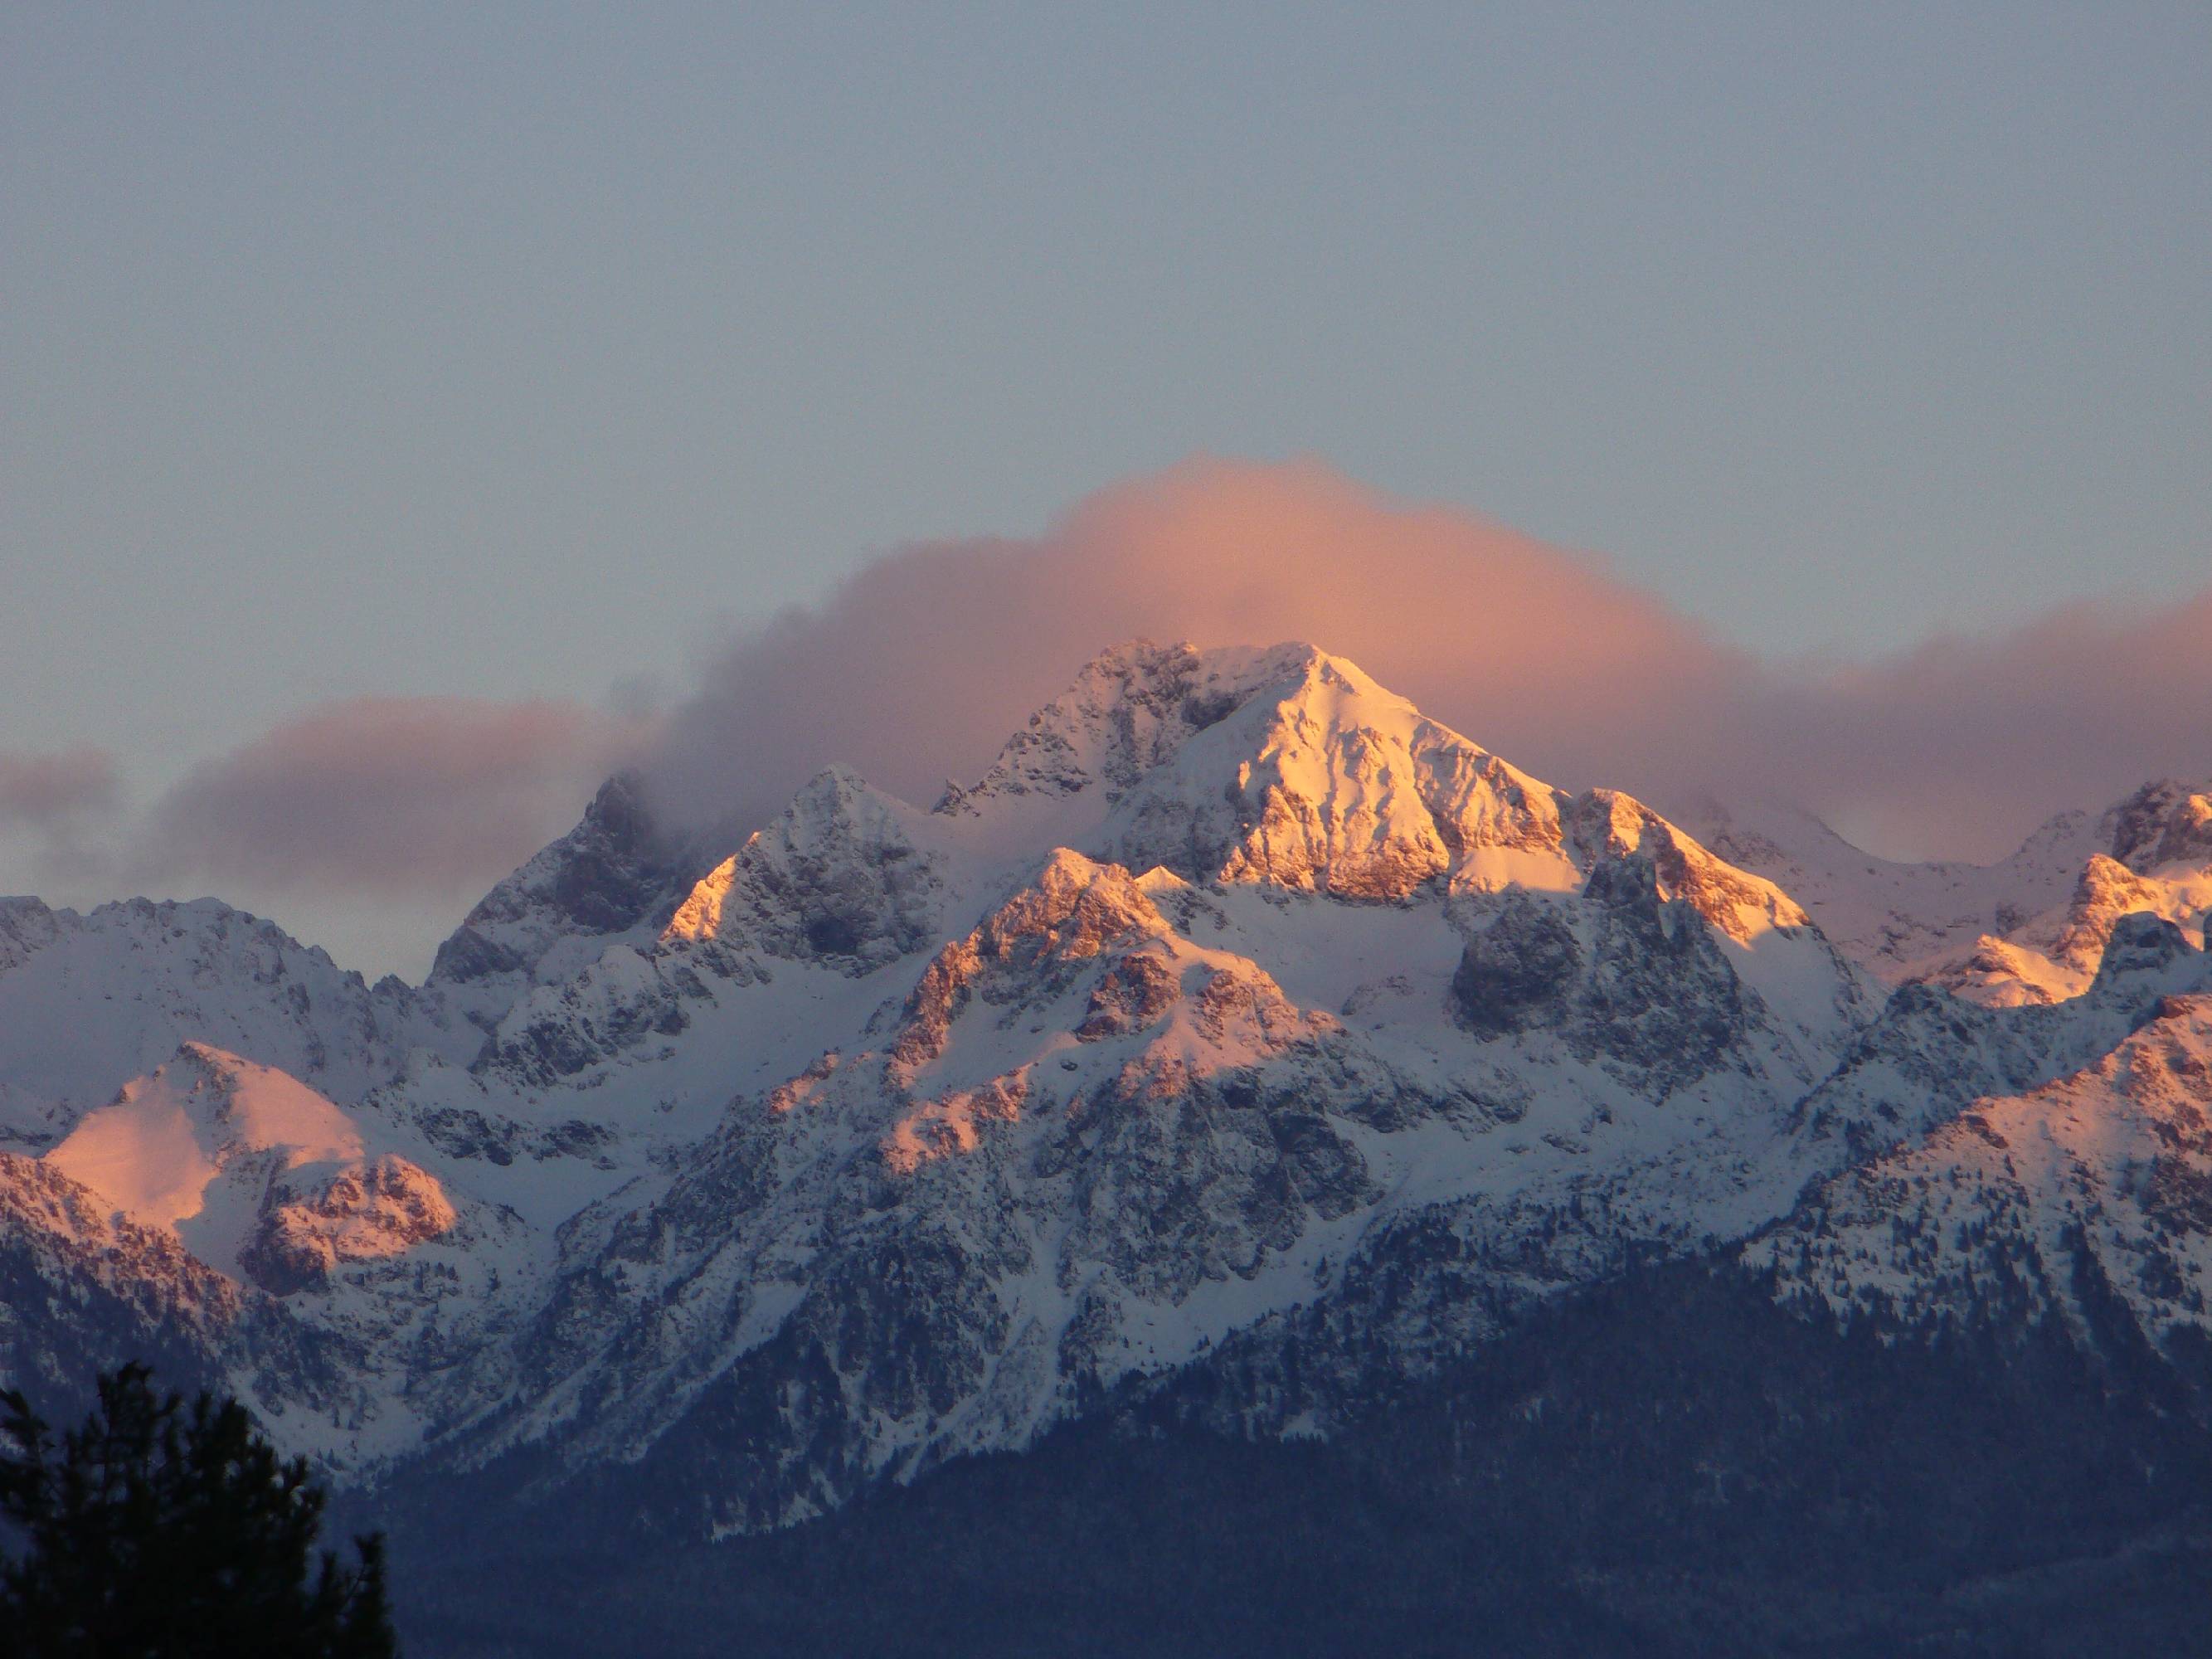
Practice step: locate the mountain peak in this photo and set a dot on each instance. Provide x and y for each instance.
(616, 874)
(1129, 709)
(2166, 821)
(1606, 824)
(261, 1177)
(1283, 765)
(154, 1151)
(837, 875)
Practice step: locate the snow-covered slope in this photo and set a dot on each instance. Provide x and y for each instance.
(1287, 768)
(2088, 1200)
(255, 1172)
(612, 878)
(2030, 929)
(1892, 919)
(87, 1002)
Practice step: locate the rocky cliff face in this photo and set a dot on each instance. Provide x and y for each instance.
(615, 876)
(1239, 1018)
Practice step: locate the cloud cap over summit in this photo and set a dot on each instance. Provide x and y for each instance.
(914, 669)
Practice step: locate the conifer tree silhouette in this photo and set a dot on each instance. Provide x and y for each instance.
(157, 1529)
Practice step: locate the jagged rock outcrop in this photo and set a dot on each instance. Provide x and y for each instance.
(618, 875)
(2030, 930)
(837, 877)
(368, 1211)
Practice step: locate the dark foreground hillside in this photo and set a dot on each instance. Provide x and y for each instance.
(1670, 1465)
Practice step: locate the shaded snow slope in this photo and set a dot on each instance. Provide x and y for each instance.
(2086, 1199)
(614, 877)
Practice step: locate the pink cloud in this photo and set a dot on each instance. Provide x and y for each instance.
(917, 667)
(396, 798)
(46, 792)
(1962, 745)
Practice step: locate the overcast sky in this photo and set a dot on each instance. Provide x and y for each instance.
(482, 371)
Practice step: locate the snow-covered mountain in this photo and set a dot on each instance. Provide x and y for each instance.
(1895, 920)
(1238, 1008)
(88, 1002)
(2087, 1200)
(614, 878)
(2030, 929)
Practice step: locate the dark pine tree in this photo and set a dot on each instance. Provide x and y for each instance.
(160, 1528)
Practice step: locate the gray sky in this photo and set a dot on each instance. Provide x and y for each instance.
(507, 352)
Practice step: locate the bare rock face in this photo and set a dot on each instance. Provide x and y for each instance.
(2161, 824)
(618, 875)
(837, 878)
(26, 926)
(2143, 946)
(1640, 964)
(1661, 995)
(1132, 994)
(1624, 974)
(2108, 890)
(953, 1123)
(1607, 828)
(1029, 948)
(377, 1211)
(1515, 973)
(1130, 710)
(1242, 1006)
